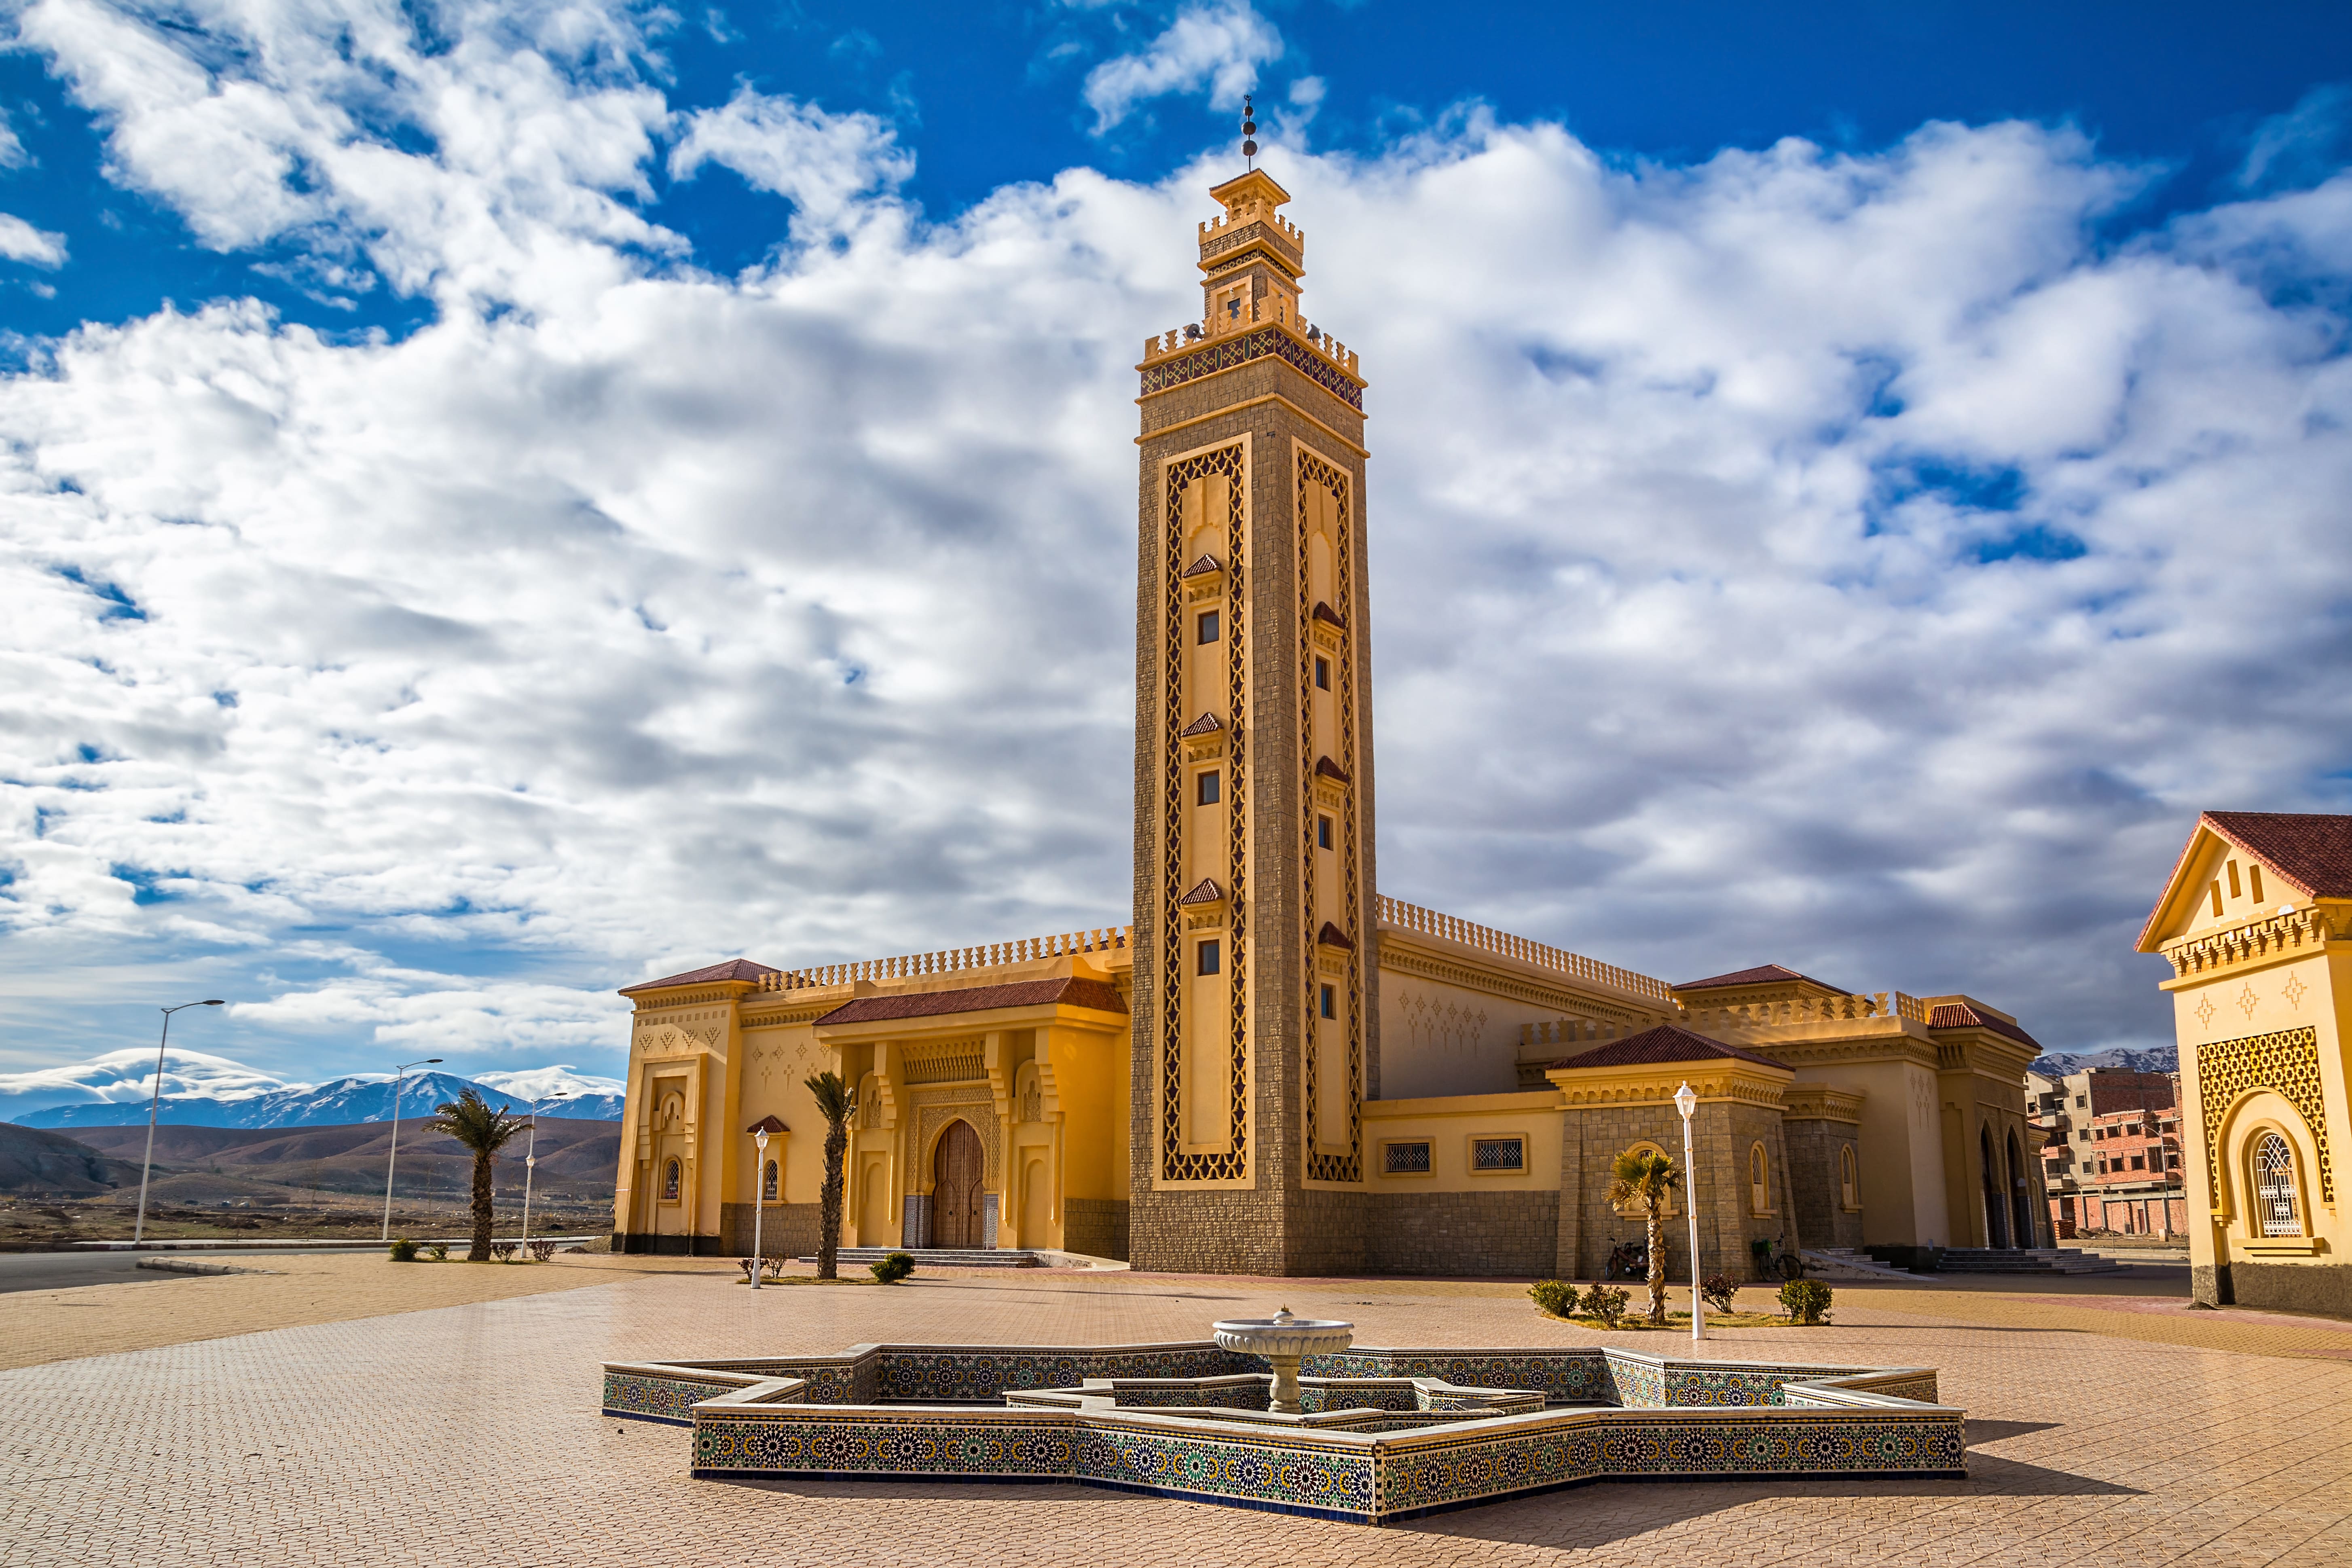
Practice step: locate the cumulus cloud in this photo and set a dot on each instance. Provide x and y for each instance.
(1219, 46)
(128, 1075)
(820, 163)
(20, 241)
(538, 1083)
(1846, 560)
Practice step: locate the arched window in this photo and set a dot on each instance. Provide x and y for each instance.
(1849, 1178)
(1760, 1191)
(2274, 1199)
(670, 1175)
(768, 1183)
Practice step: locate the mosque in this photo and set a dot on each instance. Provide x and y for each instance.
(1278, 1069)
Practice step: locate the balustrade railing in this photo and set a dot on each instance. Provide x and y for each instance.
(954, 959)
(1486, 939)
(1809, 1010)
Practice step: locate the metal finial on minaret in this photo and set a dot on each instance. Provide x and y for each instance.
(1249, 131)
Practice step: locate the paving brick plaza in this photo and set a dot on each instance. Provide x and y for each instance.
(447, 1413)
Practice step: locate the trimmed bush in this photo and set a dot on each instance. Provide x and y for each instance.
(1605, 1304)
(403, 1250)
(1717, 1289)
(440, 1250)
(893, 1269)
(1556, 1297)
(1806, 1301)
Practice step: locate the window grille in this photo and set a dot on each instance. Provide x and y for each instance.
(2274, 1186)
(1499, 1154)
(768, 1183)
(1408, 1159)
(671, 1182)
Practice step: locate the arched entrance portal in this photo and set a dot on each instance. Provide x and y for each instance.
(956, 1172)
(1995, 1201)
(2020, 1197)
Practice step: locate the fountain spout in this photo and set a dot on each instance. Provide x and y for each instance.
(1283, 1341)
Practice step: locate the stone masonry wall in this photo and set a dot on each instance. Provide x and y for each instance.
(786, 1230)
(1815, 1179)
(1721, 1135)
(1095, 1226)
(1508, 1233)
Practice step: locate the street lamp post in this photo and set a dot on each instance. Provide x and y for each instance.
(530, 1162)
(400, 1076)
(758, 1199)
(1686, 1101)
(154, 1102)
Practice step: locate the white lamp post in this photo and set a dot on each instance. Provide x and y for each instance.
(154, 1101)
(1686, 1101)
(399, 1076)
(759, 1198)
(530, 1162)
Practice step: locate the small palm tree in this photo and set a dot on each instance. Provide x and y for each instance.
(471, 1120)
(1644, 1178)
(837, 1102)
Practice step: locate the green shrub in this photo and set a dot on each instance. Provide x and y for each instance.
(403, 1250)
(1556, 1297)
(1605, 1304)
(893, 1269)
(1805, 1301)
(440, 1250)
(1717, 1289)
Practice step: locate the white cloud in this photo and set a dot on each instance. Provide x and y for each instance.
(1218, 46)
(535, 1084)
(821, 162)
(127, 1076)
(20, 241)
(12, 148)
(671, 617)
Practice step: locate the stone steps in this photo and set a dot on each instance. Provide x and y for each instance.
(942, 1257)
(2023, 1260)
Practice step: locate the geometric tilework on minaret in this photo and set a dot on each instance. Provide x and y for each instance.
(1255, 1006)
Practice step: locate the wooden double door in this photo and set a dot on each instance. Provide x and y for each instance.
(958, 1170)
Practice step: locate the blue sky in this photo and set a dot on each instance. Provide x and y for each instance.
(497, 495)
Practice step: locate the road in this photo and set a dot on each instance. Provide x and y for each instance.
(57, 1270)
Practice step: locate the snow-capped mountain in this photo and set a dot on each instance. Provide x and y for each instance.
(111, 1091)
(2158, 1059)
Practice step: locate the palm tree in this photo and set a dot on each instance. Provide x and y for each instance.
(471, 1120)
(837, 1102)
(1644, 1178)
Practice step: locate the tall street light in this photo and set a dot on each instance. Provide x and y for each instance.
(530, 1160)
(154, 1101)
(399, 1075)
(759, 1197)
(1686, 1101)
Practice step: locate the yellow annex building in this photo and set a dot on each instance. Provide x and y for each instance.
(1275, 1068)
(2256, 924)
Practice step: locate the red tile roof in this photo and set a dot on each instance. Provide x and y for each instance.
(770, 1124)
(1206, 724)
(1762, 975)
(733, 969)
(1204, 891)
(1068, 992)
(1332, 936)
(1204, 565)
(1328, 615)
(1960, 1016)
(1325, 768)
(2312, 851)
(1665, 1042)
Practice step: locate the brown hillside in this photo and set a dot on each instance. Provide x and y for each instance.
(34, 1161)
(576, 1159)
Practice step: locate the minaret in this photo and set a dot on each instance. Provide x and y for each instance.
(1256, 1005)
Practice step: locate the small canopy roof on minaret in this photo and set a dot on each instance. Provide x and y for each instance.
(1257, 185)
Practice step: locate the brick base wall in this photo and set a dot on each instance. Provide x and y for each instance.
(1817, 1183)
(786, 1230)
(1095, 1226)
(1440, 1233)
(2292, 1287)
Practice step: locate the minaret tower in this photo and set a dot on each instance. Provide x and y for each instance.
(1255, 1002)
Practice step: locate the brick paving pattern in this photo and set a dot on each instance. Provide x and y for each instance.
(468, 1433)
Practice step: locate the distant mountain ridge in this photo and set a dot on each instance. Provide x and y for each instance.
(343, 1101)
(2155, 1059)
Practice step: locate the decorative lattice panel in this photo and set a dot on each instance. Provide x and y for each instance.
(1324, 1165)
(2286, 1063)
(1232, 1162)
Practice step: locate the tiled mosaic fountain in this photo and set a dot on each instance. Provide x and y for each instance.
(1378, 1434)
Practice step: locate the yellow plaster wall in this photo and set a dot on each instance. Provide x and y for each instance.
(1450, 1123)
(1899, 1147)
